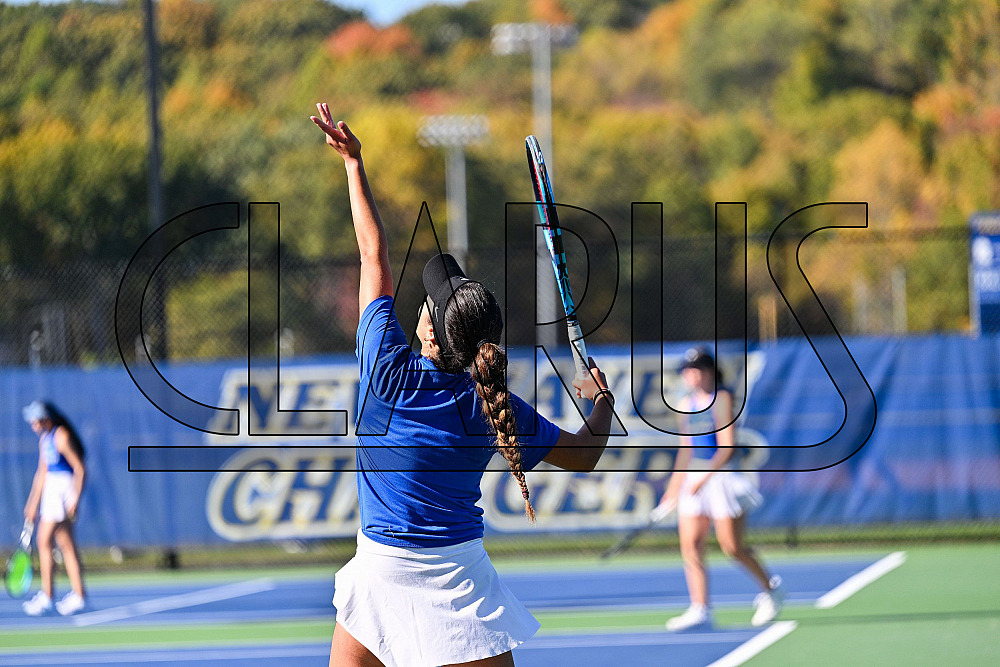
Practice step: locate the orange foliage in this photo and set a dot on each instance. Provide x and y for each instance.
(549, 11)
(946, 105)
(178, 100)
(664, 28)
(884, 169)
(989, 121)
(221, 94)
(433, 101)
(362, 38)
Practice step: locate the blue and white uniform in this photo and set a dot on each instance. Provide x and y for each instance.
(728, 492)
(421, 589)
(58, 487)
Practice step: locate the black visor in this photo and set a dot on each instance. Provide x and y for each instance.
(442, 276)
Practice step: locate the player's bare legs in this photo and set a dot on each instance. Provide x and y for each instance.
(768, 604)
(503, 660)
(693, 531)
(347, 651)
(64, 538)
(44, 541)
(730, 535)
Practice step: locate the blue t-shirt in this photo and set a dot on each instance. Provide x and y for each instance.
(54, 460)
(423, 442)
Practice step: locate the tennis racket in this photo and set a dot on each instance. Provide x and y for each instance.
(20, 571)
(662, 512)
(553, 239)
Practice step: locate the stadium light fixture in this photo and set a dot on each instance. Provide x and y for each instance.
(539, 39)
(454, 133)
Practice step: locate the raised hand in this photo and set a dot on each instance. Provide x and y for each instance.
(338, 135)
(591, 386)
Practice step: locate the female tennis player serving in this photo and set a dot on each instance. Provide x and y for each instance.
(421, 589)
(54, 498)
(713, 491)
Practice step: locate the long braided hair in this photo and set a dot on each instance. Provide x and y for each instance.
(473, 325)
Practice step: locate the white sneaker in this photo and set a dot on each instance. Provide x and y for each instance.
(71, 604)
(38, 605)
(695, 615)
(768, 604)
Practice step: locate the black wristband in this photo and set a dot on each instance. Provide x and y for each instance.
(602, 392)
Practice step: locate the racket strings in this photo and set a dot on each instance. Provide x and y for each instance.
(19, 574)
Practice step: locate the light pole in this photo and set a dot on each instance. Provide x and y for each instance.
(158, 340)
(454, 133)
(539, 38)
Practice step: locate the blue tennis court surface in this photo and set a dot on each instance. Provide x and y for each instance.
(647, 648)
(659, 590)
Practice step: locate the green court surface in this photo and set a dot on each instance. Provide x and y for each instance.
(940, 606)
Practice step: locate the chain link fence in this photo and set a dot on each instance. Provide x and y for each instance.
(870, 283)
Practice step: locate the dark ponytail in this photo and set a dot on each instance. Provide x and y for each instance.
(473, 325)
(59, 419)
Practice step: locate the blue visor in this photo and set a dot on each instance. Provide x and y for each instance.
(35, 411)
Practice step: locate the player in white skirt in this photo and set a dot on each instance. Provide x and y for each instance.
(421, 590)
(53, 501)
(707, 488)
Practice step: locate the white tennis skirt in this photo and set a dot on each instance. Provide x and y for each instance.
(430, 606)
(726, 494)
(56, 494)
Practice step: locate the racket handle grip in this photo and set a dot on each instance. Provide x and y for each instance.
(582, 371)
(580, 359)
(26, 531)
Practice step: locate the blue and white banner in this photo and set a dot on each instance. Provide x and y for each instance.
(984, 272)
(934, 454)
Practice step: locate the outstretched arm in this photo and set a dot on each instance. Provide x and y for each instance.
(376, 276)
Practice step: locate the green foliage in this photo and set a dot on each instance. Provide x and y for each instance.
(734, 52)
(439, 27)
(283, 21)
(937, 282)
(78, 191)
(619, 15)
(207, 316)
(729, 143)
(686, 102)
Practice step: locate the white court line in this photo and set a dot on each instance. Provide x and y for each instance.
(853, 584)
(180, 601)
(750, 648)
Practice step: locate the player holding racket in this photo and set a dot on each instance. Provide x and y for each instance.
(53, 501)
(421, 589)
(713, 491)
